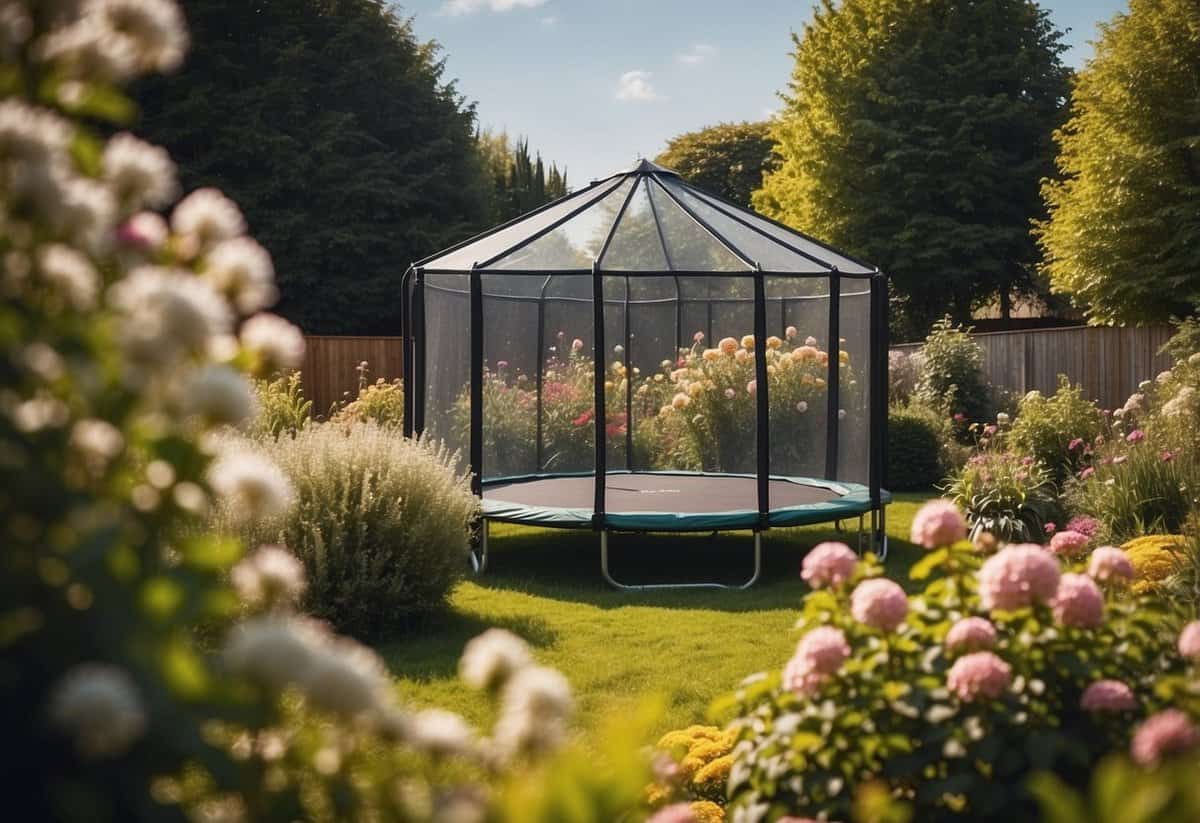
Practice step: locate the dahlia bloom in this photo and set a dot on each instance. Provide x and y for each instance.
(1108, 696)
(828, 564)
(976, 675)
(1017, 576)
(1078, 602)
(938, 523)
(1110, 564)
(971, 634)
(1189, 641)
(823, 650)
(879, 603)
(1068, 543)
(1168, 732)
(727, 345)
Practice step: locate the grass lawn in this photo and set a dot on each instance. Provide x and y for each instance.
(686, 647)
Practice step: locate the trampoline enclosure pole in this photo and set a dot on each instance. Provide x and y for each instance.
(833, 388)
(476, 445)
(598, 353)
(406, 351)
(762, 441)
(418, 371)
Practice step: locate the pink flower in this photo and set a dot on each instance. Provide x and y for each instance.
(1086, 473)
(698, 337)
(1135, 436)
(752, 387)
(730, 394)
(1078, 602)
(1074, 444)
(810, 341)
(828, 564)
(1119, 460)
(1017, 576)
(989, 429)
(959, 417)
(1050, 528)
(1168, 732)
(1087, 526)
(823, 650)
(790, 332)
(1109, 564)
(937, 524)
(727, 345)
(502, 364)
(1068, 543)
(971, 634)
(879, 603)
(1167, 456)
(1108, 696)
(1026, 461)
(976, 675)
(576, 345)
(675, 813)
(1189, 641)
(801, 680)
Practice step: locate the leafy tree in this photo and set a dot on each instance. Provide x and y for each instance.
(521, 181)
(728, 159)
(333, 126)
(915, 135)
(1123, 235)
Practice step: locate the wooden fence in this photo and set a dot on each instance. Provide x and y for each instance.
(330, 369)
(1108, 362)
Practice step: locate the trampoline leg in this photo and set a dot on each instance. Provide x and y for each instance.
(879, 538)
(608, 578)
(479, 552)
(860, 534)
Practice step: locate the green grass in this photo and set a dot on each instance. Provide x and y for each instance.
(685, 647)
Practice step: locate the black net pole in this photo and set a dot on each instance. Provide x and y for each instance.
(833, 388)
(418, 370)
(406, 351)
(476, 445)
(628, 384)
(598, 349)
(878, 386)
(539, 370)
(763, 424)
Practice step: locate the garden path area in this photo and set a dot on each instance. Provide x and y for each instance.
(685, 647)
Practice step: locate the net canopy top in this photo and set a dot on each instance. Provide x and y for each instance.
(645, 219)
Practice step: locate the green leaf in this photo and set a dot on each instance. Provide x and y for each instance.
(929, 563)
(161, 597)
(212, 553)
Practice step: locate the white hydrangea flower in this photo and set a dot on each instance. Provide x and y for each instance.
(1194, 359)
(1134, 403)
(241, 269)
(141, 174)
(32, 136)
(534, 710)
(144, 231)
(347, 679)
(70, 274)
(97, 440)
(99, 705)
(206, 217)
(271, 575)
(88, 48)
(1163, 376)
(219, 394)
(1180, 404)
(155, 30)
(81, 209)
(168, 313)
(277, 343)
(252, 485)
(441, 733)
(275, 650)
(490, 659)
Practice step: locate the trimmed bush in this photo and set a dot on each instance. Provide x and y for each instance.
(1057, 431)
(951, 377)
(381, 523)
(916, 444)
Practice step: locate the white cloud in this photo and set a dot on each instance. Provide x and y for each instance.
(459, 7)
(634, 86)
(699, 53)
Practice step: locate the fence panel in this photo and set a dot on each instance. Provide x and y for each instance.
(1108, 362)
(330, 370)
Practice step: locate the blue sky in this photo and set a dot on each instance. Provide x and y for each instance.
(596, 83)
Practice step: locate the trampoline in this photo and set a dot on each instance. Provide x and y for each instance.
(643, 356)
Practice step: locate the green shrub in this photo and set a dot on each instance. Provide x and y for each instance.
(381, 523)
(1059, 432)
(882, 696)
(381, 402)
(951, 377)
(1010, 496)
(282, 408)
(1185, 341)
(903, 372)
(917, 437)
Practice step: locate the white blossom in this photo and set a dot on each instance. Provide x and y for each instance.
(141, 174)
(71, 274)
(241, 269)
(88, 49)
(1180, 404)
(206, 217)
(251, 485)
(276, 342)
(534, 709)
(144, 231)
(99, 706)
(154, 28)
(97, 440)
(82, 210)
(490, 659)
(275, 650)
(220, 395)
(440, 732)
(347, 679)
(168, 313)
(39, 412)
(272, 575)
(32, 136)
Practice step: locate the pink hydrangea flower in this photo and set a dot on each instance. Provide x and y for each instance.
(1135, 436)
(1085, 525)
(937, 524)
(698, 337)
(675, 813)
(981, 674)
(800, 680)
(823, 650)
(1068, 543)
(1189, 641)
(828, 564)
(971, 634)
(1168, 732)
(879, 603)
(1050, 528)
(1018, 575)
(1108, 696)
(1078, 602)
(1109, 564)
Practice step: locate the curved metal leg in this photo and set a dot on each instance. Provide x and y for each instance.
(479, 552)
(653, 586)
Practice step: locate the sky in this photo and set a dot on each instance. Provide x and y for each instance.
(595, 84)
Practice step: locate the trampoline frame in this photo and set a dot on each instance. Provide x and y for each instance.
(413, 333)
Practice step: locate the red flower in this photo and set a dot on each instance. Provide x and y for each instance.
(1167, 457)
(583, 419)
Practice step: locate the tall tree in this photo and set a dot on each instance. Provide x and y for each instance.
(1123, 235)
(728, 159)
(521, 182)
(916, 134)
(335, 129)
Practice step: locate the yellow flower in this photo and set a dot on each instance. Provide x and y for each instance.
(774, 342)
(618, 366)
(727, 345)
(771, 369)
(608, 384)
(823, 358)
(711, 355)
(804, 354)
(819, 382)
(715, 774)
(748, 342)
(686, 738)
(1154, 559)
(844, 357)
(743, 355)
(658, 378)
(695, 389)
(666, 364)
(681, 401)
(807, 379)
(706, 811)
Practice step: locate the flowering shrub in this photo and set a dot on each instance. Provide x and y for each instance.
(952, 698)
(1057, 431)
(1155, 557)
(381, 402)
(951, 378)
(381, 522)
(1004, 495)
(282, 408)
